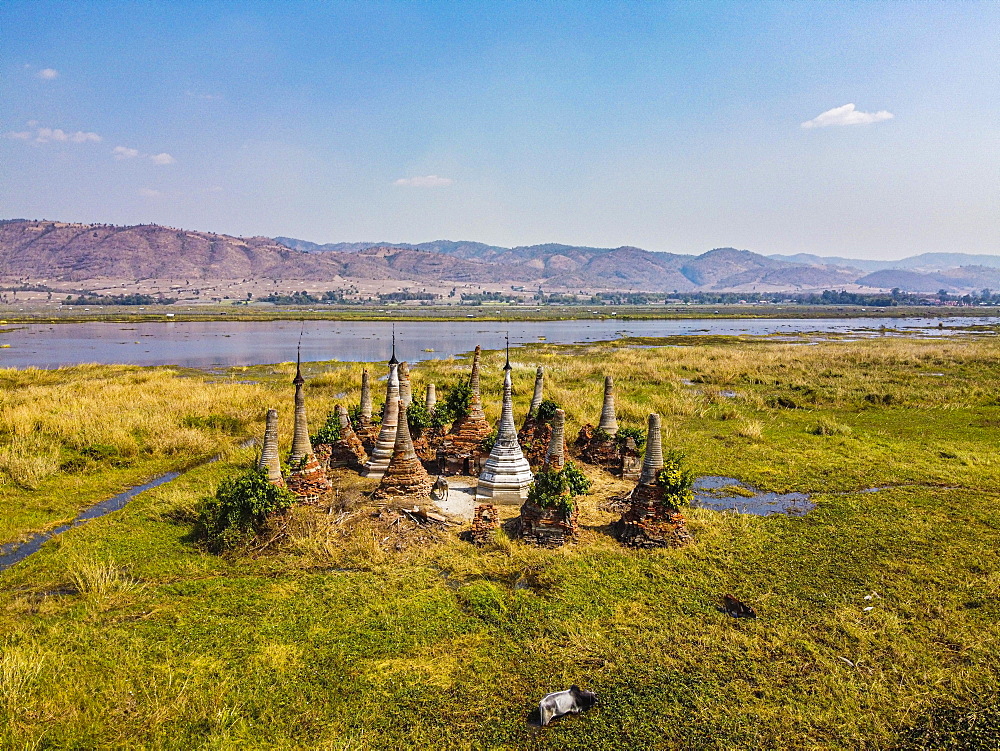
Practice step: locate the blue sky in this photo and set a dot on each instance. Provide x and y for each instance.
(671, 126)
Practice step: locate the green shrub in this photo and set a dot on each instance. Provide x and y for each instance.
(551, 489)
(546, 411)
(330, 431)
(238, 513)
(456, 402)
(636, 434)
(489, 442)
(578, 482)
(417, 417)
(676, 480)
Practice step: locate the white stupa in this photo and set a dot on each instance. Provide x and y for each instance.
(506, 477)
(382, 453)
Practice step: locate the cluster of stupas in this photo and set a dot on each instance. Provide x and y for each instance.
(388, 452)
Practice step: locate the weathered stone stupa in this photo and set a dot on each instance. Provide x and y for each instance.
(405, 478)
(527, 432)
(555, 455)
(367, 431)
(506, 476)
(378, 462)
(269, 459)
(600, 446)
(306, 479)
(431, 401)
(405, 389)
(649, 522)
(461, 451)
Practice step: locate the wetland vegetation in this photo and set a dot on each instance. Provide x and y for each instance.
(879, 612)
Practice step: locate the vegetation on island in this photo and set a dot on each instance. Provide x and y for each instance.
(878, 612)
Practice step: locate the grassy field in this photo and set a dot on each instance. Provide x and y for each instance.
(346, 634)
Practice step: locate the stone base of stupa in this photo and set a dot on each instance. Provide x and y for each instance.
(467, 433)
(405, 479)
(504, 485)
(648, 524)
(547, 527)
(309, 481)
(621, 461)
(347, 452)
(485, 522)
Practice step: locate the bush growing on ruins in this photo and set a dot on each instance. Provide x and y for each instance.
(635, 434)
(676, 480)
(551, 489)
(579, 484)
(455, 405)
(546, 411)
(330, 432)
(240, 509)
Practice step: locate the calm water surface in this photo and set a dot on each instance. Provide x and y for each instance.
(207, 344)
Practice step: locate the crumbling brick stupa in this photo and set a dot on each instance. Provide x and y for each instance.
(367, 430)
(427, 442)
(556, 523)
(506, 475)
(347, 451)
(405, 478)
(602, 447)
(461, 451)
(651, 521)
(307, 479)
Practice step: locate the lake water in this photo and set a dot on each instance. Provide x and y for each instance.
(207, 344)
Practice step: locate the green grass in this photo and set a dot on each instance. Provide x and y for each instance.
(124, 633)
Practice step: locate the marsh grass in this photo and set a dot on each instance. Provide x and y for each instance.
(335, 638)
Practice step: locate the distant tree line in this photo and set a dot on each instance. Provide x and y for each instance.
(135, 299)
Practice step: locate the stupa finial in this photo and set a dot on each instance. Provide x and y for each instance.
(392, 359)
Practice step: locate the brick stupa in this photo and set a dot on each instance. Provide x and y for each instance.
(378, 462)
(307, 478)
(598, 446)
(649, 523)
(506, 477)
(551, 527)
(405, 479)
(347, 451)
(462, 451)
(367, 431)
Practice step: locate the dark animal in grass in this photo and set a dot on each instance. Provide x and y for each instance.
(573, 701)
(737, 609)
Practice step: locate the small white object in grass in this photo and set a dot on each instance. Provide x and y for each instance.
(868, 597)
(845, 660)
(870, 607)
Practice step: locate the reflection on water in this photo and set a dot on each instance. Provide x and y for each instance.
(204, 344)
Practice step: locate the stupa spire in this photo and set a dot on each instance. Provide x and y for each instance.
(366, 398)
(609, 423)
(405, 389)
(431, 401)
(300, 437)
(653, 462)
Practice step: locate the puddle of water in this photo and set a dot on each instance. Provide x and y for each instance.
(729, 494)
(15, 552)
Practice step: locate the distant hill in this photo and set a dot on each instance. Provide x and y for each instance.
(925, 262)
(77, 252)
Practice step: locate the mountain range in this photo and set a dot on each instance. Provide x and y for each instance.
(70, 252)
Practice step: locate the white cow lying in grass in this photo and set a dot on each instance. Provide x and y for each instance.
(573, 701)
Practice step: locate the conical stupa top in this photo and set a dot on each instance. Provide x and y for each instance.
(431, 398)
(366, 395)
(506, 365)
(301, 447)
(474, 378)
(609, 423)
(507, 432)
(403, 446)
(554, 456)
(380, 455)
(536, 398)
(392, 358)
(269, 452)
(653, 462)
(405, 389)
(476, 400)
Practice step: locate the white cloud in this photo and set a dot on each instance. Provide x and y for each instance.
(20, 135)
(47, 74)
(47, 135)
(162, 159)
(847, 115)
(124, 152)
(149, 193)
(426, 181)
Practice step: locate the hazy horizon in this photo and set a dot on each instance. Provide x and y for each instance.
(855, 130)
